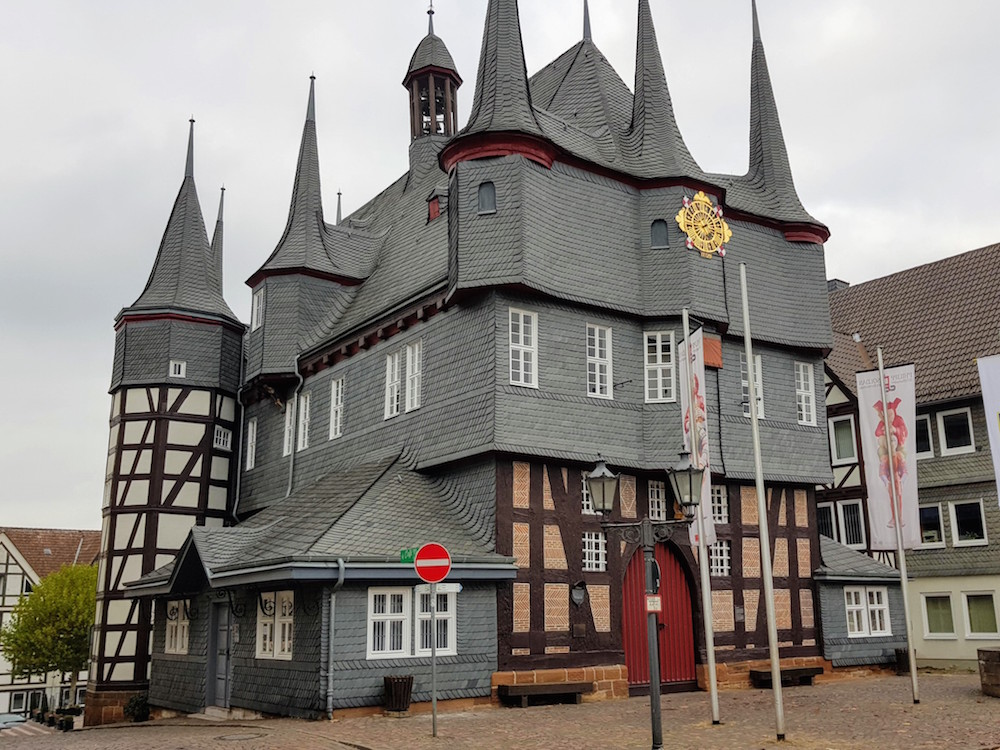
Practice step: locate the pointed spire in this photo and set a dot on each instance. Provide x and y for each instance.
(185, 274)
(430, 20)
(339, 213)
(301, 246)
(217, 241)
(769, 170)
(502, 101)
(655, 140)
(587, 36)
(189, 167)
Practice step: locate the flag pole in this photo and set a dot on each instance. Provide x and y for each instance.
(897, 515)
(706, 581)
(763, 532)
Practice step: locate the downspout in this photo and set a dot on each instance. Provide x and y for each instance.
(242, 437)
(329, 649)
(295, 426)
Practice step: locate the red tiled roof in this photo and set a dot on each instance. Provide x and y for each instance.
(63, 545)
(940, 316)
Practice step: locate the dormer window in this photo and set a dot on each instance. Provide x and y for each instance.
(178, 368)
(658, 235)
(487, 198)
(433, 209)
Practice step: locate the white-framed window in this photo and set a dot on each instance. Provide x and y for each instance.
(843, 440)
(925, 443)
(720, 503)
(444, 621)
(17, 702)
(257, 310)
(657, 491)
(303, 404)
(251, 460)
(275, 624)
(595, 551)
(955, 431)
(223, 438)
(588, 501)
(660, 378)
(523, 348)
(286, 449)
(599, 362)
(867, 611)
(805, 394)
(414, 355)
(720, 558)
(931, 527)
(758, 383)
(178, 627)
(392, 378)
(939, 622)
(852, 524)
(388, 622)
(336, 408)
(843, 522)
(980, 614)
(968, 525)
(178, 368)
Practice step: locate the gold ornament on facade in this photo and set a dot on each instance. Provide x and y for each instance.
(704, 226)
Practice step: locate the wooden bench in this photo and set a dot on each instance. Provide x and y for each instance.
(761, 678)
(521, 693)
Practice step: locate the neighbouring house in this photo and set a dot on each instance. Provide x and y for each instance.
(26, 557)
(926, 316)
(446, 364)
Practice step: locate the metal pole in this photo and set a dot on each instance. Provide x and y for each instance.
(897, 513)
(652, 637)
(434, 673)
(764, 534)
(706, 580)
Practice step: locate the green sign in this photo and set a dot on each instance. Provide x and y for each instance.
(408, 555)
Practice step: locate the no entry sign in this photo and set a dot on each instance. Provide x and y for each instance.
(432, 563)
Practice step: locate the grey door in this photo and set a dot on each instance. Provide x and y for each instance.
(218, 657)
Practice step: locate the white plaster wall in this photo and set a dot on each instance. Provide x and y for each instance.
(185, 433)
(961, 647)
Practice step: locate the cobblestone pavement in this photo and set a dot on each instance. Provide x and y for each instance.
(873, 712)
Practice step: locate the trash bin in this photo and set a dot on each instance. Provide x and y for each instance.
(902, 661)
(397, 692)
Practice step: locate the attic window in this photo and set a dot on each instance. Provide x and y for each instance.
(658, 235)
(433, 209)
(46, 551)
(178, 368)
(487, 198)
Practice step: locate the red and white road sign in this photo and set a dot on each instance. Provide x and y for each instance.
(432, 563)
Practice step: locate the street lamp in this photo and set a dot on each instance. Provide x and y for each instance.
(685, 480)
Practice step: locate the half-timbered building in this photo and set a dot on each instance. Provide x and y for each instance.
(445, 364)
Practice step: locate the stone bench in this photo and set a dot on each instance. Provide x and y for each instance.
(521, 693)
(761, 678)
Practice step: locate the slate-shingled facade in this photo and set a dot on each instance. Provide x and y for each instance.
(921, 316)
(419, 372)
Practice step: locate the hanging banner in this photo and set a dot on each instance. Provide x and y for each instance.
(699, 446)
(880, 434)
(989, 379)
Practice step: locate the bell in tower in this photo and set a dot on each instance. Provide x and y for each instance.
(432, 82)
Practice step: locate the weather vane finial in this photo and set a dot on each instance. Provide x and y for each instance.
(430, 19)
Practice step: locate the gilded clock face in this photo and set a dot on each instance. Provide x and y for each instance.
(704, 226)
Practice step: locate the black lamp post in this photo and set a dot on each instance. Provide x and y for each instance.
(685, 480)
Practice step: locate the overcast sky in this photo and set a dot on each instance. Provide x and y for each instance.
(889, 112)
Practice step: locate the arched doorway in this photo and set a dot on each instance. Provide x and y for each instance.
(675, 623)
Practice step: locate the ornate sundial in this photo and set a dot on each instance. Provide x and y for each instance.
(704, 226)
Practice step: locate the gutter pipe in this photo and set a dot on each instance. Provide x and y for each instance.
(329, 648)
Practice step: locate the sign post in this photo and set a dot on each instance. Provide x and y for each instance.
(433, 563)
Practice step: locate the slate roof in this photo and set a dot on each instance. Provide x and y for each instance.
(431, 52)
(840, 562)
(184, 275)
(47, 550)
(940, 316)
(364, 514)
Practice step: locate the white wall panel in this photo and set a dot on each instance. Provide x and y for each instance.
(187, 497)
(134, 431)
(173, 530)
(220, 468)
(135, 492)
(198, 403)
(217, 498)
(185, 433)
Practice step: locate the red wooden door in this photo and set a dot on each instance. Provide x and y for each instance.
(674, 623)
